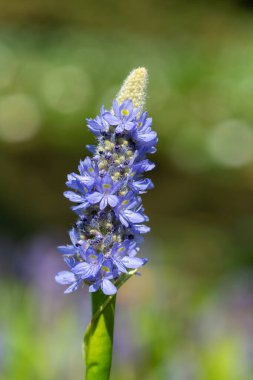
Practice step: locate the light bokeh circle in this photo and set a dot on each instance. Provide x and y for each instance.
(19, 118)
(231, 143)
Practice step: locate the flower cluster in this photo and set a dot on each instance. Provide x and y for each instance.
(106, 194)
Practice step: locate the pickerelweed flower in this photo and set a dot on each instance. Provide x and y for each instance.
(106, 194)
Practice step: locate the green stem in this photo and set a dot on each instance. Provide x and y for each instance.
(98, 339)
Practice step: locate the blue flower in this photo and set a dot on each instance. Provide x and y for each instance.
(88, 172)
(104, 194)
(99, 124)
(128, 212)
(141, 185)
(142, 166)
(120, 258)
(142, 133)
(106, 191)
(91, 266)
(70, 250)
(104, 282)
(77, 198)
(68, 278)
(122, 117)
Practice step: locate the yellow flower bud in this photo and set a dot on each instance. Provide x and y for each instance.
(102, 164)
(134, 88)
(129, 153)
(116, 175)
(122, 193)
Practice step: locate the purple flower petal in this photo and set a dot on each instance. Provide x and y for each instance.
(141, 228)
(83, 269)
(73, 197)
(108, 288)
(112, 120)
(129, 125)
(112, 200)
(133, 262)
(142, 185)
(116, 107)
(67, 249)
(81, 207)
(65, 277)
(94, 197)
(120, 128)
(94, 287)
(134, 217)
(103, 202)
(72, 287)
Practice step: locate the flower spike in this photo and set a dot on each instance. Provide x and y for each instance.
(106, 193)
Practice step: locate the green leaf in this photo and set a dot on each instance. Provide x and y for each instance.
(98, 338)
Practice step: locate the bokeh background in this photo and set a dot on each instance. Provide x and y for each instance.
(190, 316)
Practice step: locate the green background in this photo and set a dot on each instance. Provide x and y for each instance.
(189, 317)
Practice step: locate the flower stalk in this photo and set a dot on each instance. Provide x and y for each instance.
(98, 340)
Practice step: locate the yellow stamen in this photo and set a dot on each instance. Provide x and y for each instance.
(106, 186)
(125, 112)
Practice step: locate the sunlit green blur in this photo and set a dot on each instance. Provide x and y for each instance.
(190, 315)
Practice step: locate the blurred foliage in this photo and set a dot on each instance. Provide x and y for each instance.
(190, 318)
